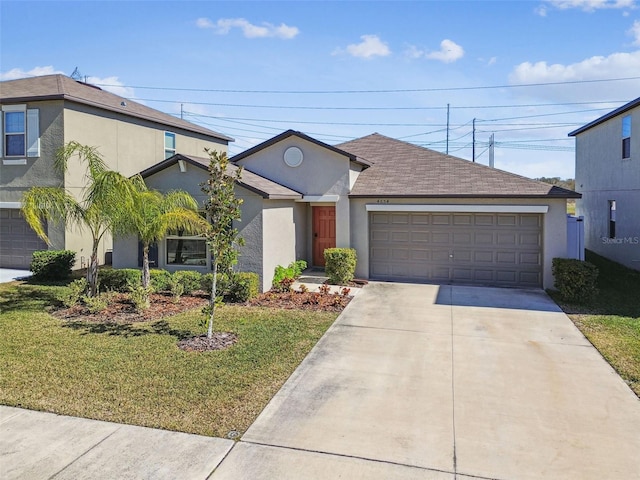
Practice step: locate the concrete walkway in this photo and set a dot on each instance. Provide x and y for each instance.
(411, 382)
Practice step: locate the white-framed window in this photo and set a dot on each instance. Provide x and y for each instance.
(20, 128)
(186, 250)
(169, 144)
(626, 136)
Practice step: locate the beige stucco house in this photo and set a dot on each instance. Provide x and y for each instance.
(411, 213)
(41, 114)
(608, 177)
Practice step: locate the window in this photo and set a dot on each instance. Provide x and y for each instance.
(626, 136)
(20, 132)
(169, 144)
(186, 250)
(612, 219)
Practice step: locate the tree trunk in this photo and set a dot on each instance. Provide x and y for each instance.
(213, 299)
(146, 276)
(92, 271)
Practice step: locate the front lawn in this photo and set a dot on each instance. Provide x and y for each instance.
(611, 320)
(134, 373)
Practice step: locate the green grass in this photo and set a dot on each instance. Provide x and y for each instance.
(135, 374)
(611, 320)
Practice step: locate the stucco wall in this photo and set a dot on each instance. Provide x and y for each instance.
(279, 237)
(554, 228)
(250, 228)
(322, 172)
(602, 175)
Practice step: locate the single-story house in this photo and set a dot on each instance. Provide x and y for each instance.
(412, 214)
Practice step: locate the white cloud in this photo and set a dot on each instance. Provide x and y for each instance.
(112, 84)
(224, 25)
(616, 65)
(492, 61)
(634, 31)
(541, 10)
(449, 52)
(16, 73)
(590, 5)
(371, 46)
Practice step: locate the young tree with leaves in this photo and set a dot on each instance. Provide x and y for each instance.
(105, 197)
(222, 208)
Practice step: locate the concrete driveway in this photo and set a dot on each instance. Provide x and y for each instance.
(11, 275)
(442, 382)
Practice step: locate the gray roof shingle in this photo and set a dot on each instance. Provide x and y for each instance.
(61, 87)
(402, 169)
(252, 181)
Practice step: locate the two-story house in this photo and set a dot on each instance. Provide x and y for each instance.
(39, 115)
(608, 176)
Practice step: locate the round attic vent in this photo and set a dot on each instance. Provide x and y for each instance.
(293, 156)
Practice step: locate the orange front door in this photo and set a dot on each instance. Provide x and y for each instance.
(324, 232)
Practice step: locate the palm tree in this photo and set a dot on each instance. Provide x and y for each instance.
(154, 215)
(103, 200)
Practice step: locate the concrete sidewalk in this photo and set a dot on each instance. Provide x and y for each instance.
(411, 382)
(37, 445)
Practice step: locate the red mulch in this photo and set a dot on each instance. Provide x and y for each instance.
(121, 310)
(301, 301)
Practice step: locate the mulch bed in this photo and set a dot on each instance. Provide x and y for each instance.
(301, 301)
(122, 310)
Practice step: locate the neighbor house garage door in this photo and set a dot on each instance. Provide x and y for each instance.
(17, 240)
(470, 248)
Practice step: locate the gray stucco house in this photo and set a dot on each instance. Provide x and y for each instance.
(411, 213)
(608, 177)
(39, 115)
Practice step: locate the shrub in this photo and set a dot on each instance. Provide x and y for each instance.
(74, 292)
(190, 280)
(160, 280)
(576, 280)
(98, 303)
(140, 297)
(292, 272)
(242, 287)
(222, 283)
(340, 265)
(52, 264)
(119, 280)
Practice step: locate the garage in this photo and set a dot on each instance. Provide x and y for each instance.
(486, 248)
(17, 240)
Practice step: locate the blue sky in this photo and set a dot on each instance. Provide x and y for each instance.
(341, 70)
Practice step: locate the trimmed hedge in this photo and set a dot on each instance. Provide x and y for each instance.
(189, 279)
(52, 264)
(340, 265)
(575, 280)
(243, 286)
(119, 279)
(160, 280)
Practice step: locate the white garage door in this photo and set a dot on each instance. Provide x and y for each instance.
(17, 240)
(470, 248)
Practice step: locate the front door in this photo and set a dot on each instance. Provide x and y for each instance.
(324, 232)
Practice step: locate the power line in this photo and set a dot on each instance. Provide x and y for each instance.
(405, 90)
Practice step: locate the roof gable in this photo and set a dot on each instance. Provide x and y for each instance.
(401, 169)
(618, 111)
(61, 87)
(257, 184)
(289, 133)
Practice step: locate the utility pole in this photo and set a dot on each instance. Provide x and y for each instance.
(181, 111)
(447, 129)
(473, 148)
(491, 144)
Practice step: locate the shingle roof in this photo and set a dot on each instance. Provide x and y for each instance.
(618, 111)
(262, 186)
(402, 169)
(289, 133)
(61, 87)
